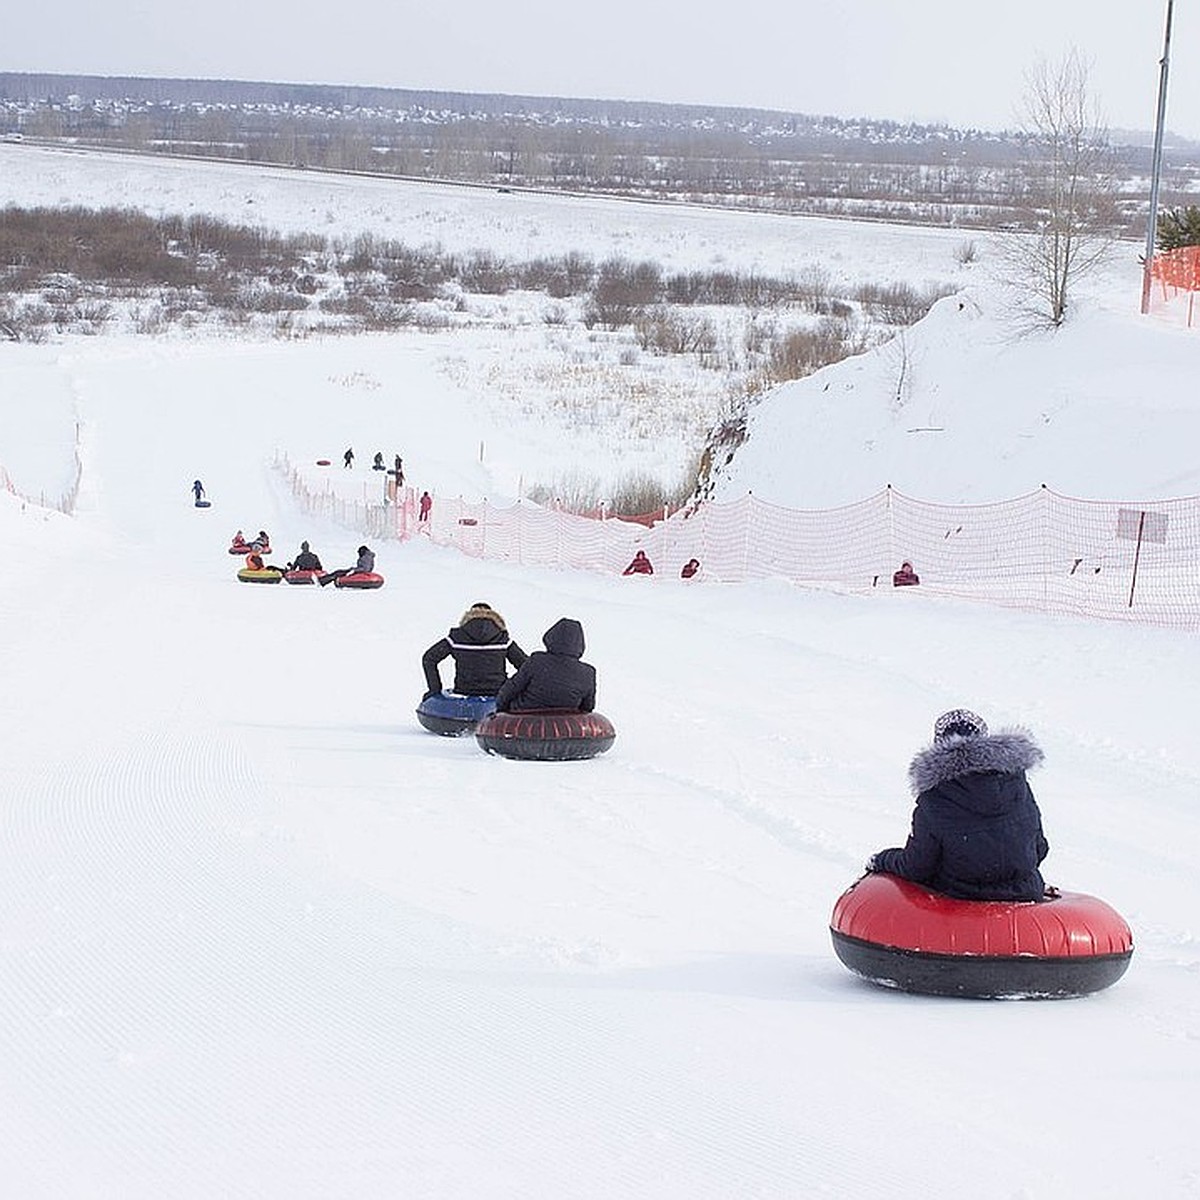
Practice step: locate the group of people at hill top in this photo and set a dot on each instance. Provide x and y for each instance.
(396, 473)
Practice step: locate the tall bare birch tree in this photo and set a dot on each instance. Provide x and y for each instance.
(1071, 191)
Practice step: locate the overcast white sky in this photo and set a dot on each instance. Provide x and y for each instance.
(926, 60)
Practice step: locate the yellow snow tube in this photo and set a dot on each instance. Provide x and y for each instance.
(259, 575)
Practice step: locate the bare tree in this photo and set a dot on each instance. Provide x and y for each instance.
(1071, 187)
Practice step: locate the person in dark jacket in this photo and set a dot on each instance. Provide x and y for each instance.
(690, 569)
(640, 565)
(906, 576)
(976, 830)
(364, 566)
(481, 647)
(306, 560)
(553, 678)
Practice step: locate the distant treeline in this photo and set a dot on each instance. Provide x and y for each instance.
(749, 158)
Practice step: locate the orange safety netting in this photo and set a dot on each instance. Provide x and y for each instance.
(1179, 269)
(1046, 552)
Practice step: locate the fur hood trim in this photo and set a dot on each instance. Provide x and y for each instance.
(1007, 750)
(487, 614)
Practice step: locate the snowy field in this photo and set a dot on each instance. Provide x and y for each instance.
(524, 225)
(264, 938)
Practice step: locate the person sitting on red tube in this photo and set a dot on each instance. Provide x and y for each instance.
(976, 829)
(641, 565)
(906, 576)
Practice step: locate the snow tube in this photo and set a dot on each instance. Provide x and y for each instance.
(546, 735)
(204, 504)
(452, 713)
(901, 935)
(359, 579)
(243, 548)
(322, 462)
(263, 575)
(301, 576)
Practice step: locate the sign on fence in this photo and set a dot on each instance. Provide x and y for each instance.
(1141, 525)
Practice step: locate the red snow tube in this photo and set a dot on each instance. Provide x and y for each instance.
(901, 935)
(359, 579)
(547, 735)
(301, 576)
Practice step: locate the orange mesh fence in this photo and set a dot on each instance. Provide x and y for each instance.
(1042, 551)
(1178, 269)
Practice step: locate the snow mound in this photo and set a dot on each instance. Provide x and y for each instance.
(965, 407)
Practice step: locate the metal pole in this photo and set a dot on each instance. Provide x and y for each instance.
(1156, 169)
(1137, 554)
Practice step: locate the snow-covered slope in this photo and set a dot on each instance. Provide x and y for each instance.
(967, 405)
(262, 938)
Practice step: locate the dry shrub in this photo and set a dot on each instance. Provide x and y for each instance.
(800, 352)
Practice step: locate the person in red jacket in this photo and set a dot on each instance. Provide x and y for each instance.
(690, 568)
(641, 565)
(906, 576)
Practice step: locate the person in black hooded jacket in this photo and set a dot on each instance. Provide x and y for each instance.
(555, 677)
(976, 830)
(480, 646)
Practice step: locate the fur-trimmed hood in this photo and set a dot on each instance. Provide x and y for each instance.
(481, 628)
(484, 612)
(1008, 751)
